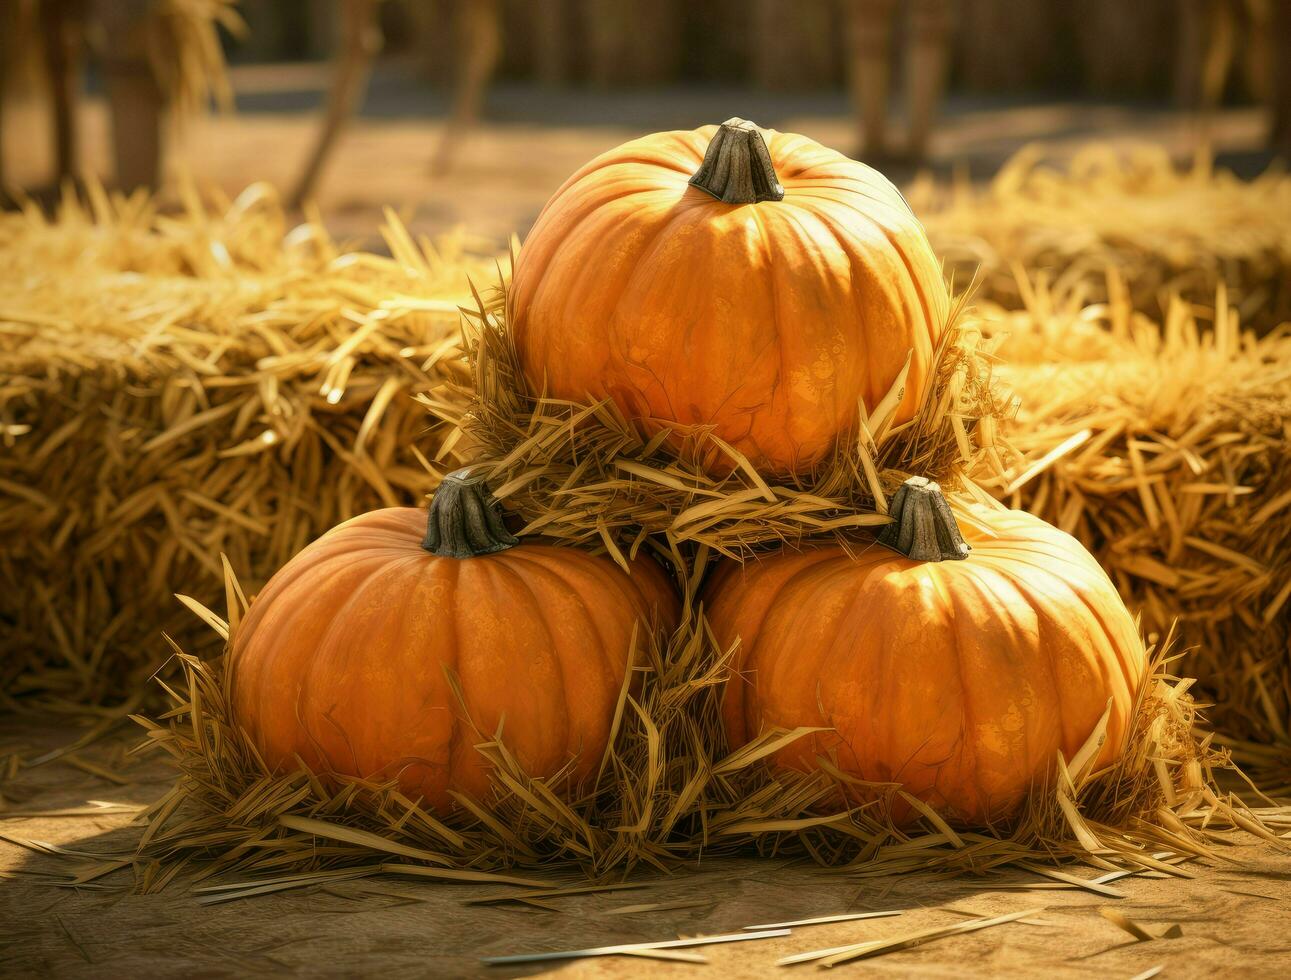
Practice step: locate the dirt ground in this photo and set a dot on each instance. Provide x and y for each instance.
(531, 139)
(1232, 916)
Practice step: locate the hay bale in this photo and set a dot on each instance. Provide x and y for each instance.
(1168, 230)
(1166, 449)
(669, 789)
(174, 387)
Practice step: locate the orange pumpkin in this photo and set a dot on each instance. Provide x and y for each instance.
(960, 680)
(341, 659)
(710, 278)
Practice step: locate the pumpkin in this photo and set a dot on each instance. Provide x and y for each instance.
(749, 281)
(343, 658)
(959, 679)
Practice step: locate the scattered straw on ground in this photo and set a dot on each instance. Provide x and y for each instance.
(177, 386)
(1166, 229)
(1166, 449)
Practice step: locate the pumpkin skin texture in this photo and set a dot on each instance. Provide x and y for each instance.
(767, 321)
(341, 657)
(960, 680)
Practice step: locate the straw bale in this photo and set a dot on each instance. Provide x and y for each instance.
(1167, 229)
(177, 386)
(669, 790)
(1165, 447)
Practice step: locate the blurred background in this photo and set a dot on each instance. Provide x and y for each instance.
(474, 111)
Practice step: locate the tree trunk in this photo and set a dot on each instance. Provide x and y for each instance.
(8, 31)
(61, 38)
(1280, 82)
(136, 102)
(137, 108)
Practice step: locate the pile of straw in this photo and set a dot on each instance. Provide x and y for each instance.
(669, 789)
(1166, 449)
(583, 474)
(669, 792)
(1167, 230)
(174, 387)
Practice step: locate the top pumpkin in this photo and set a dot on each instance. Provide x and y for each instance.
(710, 278)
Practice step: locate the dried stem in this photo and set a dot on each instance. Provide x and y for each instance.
(737, 166)
(923, 527)
(464, 519)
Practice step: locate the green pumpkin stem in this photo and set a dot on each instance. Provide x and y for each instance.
(923, 527)
(465, 521)
(737, 166)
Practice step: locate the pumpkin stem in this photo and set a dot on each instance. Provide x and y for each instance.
(923, 527)
(464, 519)
(737, 166)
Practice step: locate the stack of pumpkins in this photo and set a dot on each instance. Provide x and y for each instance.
(760, 285)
